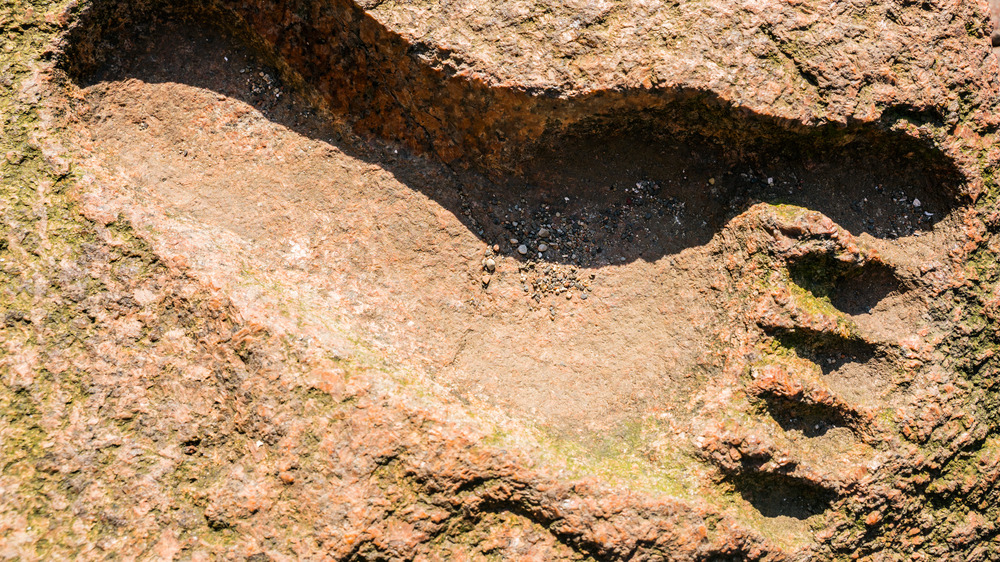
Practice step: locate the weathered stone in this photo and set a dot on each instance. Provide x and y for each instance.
(156, 403)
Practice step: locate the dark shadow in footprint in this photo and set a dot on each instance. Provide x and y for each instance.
(812, 420)
(851, 289)
(828, 350)
(849, 363)
(780, 495)
(861, 292)
(614, 176)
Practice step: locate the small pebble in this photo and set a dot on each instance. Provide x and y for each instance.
(569, 296)
(583, 296)
(522, 249)
(543, 233)
(486, 280)
(711, 181)
(513, 241)
(543, 247)
(490, 265)
(916, 202)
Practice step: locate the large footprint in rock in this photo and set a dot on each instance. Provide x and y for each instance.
(572, 261)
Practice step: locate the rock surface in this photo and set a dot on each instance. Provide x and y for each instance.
(264, 298)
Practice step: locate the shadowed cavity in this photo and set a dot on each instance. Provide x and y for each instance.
(780, 495)
(612, 177)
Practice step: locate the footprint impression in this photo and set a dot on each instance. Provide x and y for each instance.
(583, 263)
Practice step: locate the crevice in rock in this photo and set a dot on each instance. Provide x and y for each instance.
(348, 63)
(615, 176)
(850, 288)
(782, 495)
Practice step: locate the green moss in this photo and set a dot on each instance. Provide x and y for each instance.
(626, 455)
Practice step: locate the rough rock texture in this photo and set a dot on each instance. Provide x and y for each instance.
(841, 158)
(739, 75)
